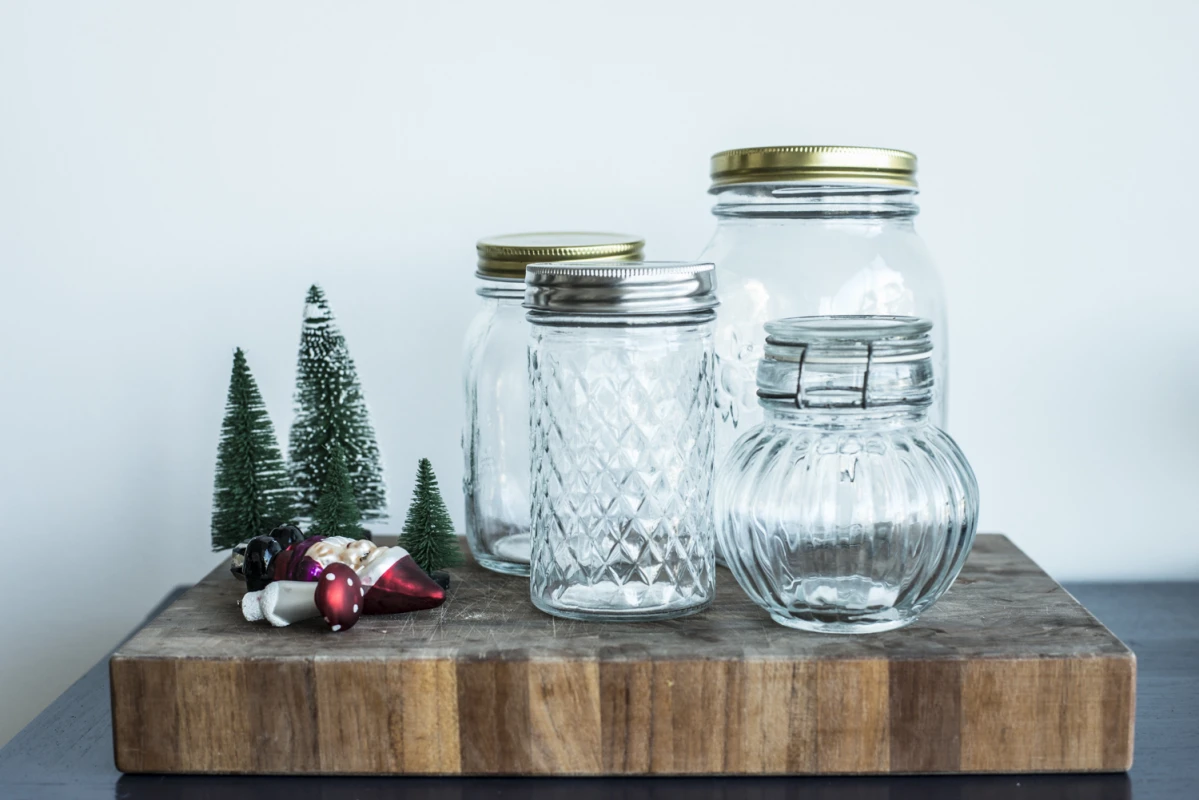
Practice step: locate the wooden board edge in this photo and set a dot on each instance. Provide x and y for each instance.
(593, 718)
(1098, 623)
(1048, 715)
(134, 732)
(116, 712)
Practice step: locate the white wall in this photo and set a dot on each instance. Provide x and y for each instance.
(172, 176)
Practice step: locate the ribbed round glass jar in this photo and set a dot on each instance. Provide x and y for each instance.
(813, 231)
(621, 364)
(495, 440)
(845, 510)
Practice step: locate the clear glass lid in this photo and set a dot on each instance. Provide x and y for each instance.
(847, 362)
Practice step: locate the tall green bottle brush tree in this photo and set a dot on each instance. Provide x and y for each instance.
(330, 411)
(252, 492)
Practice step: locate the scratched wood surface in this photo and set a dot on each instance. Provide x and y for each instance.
(1007, 673)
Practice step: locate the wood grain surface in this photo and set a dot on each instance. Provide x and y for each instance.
(1007, 673)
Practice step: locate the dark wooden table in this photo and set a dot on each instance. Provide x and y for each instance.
(66, 752)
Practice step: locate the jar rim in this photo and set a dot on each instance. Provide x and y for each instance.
(845, 327)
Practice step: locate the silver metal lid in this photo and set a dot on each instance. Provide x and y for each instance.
(847, 362)
(634, 288)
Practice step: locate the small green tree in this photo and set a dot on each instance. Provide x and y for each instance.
(337, 512)
(252, 492)
(428, 531)
(330, 408)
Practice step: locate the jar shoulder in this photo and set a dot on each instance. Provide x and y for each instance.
(496, 332)
(770, 271)
(770, 448)
(770, 250)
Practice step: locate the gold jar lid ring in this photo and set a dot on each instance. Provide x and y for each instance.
(874, 166)
(507, 256)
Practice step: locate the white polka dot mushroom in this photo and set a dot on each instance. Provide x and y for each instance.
(339, 595)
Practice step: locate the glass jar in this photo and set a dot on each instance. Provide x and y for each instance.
(846, 510)
(621, 365)
(495, 441)
(810, 231)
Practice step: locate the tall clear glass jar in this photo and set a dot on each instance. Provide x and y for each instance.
(495, 440)
(846, 510)
(621, 364)
(811, 231)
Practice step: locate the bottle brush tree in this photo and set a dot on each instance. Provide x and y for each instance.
(330, 410)
(428, 531)
(252, 492)
(337, 512)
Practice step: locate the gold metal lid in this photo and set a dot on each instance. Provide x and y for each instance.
(874, 166)
(507, 256)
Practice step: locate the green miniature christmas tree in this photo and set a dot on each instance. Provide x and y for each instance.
(337, 512)
(252, 492)
(330, 409)
(428, 531)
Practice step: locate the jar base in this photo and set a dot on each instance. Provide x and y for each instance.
(631, 615)
(843, 626)
(503, 567)
(502, 547)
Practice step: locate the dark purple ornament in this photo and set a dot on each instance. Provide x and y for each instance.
(258, 566)
(287, 535)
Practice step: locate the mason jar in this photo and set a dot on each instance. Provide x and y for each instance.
(812, 231)
(846, 510)
(495, 440)
(621, 366)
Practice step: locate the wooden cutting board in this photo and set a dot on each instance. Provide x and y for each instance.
(1007, 673)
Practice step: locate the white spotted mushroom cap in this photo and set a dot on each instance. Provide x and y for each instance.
(339, 596)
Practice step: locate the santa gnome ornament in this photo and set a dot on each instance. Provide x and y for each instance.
(340, 579)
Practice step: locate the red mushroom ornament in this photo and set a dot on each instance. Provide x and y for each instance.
(395, 583)
(339, 596)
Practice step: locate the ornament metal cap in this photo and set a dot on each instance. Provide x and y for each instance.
(870, 166)
(507, 256)
(638, 288)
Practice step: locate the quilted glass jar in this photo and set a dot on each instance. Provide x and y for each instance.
(845, 510)
(621, 366)
(495, 439)
(814, 230)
